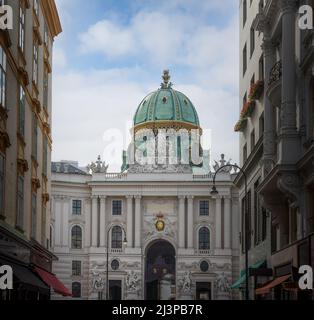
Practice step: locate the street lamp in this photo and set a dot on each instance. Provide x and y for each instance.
(107, 271)
(215, 192)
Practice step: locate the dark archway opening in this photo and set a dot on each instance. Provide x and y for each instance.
(160, 271)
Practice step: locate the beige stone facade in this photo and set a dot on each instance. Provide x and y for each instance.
(25, 126)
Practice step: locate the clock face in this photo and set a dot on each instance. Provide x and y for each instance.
(160, 225)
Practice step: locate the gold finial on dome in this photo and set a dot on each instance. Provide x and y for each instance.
(166, 78)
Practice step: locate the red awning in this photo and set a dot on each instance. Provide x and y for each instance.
(52, 281)
(272, 284)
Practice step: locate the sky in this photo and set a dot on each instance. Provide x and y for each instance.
(112, 53)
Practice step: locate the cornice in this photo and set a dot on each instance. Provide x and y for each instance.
(50, 12)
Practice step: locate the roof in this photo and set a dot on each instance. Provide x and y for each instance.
(67, 168)
(166, 104)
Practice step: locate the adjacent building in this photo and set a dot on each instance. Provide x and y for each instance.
(276, 146)
(25, 144)
(151, 231)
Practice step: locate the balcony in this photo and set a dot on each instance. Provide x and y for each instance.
(274, 84)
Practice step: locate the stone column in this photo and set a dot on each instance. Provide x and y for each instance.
(218, 222)
(289, 145)
(269, 51)
(94, 220)
(129, 226)
(65, 222)
(190, 222)
(58, 222)
(102, 221)
(138, 224)
(88, 219)
(181, 220)
(227, 224)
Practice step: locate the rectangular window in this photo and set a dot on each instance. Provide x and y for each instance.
(20, 202)
(35, 137)
(22, 112)
(256, 215)
(45, 89)
(46, 37)
(76, 268)
(261, 125)
(34, 215)
(22, 27)
(36, 7)
(2, 183)
(3, 66)
(261, 68)
(249, 220)
(244, 12)
(35, 63)
(117, 207)
(244, 56)
(243, 225)
(45, 156)
(43, 224)
(77, 207)
(244, 153)
(252, 140)
(204, 208)
(252, 41)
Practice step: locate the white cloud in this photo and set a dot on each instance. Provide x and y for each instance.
(203, 57)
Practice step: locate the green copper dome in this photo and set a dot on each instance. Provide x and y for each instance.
(166, 105)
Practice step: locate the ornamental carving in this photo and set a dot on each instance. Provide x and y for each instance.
(151, 230)
(289, 184)
(4, 140)
(222, 283)
(98, 282)
(23, 76)
(223, 162)
(185, 283)
(22, 166)
(132, 282)
(98, 166)
(46, 198)
(35, 184)
(158, 168)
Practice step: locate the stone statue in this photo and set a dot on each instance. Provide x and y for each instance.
(222, 162)
(98, 166)
(222, 284)
(98, 283)
(186, 282)
(132, 281)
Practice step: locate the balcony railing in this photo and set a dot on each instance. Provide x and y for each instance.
(275, 73)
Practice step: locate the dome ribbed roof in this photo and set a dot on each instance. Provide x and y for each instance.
(166, 104)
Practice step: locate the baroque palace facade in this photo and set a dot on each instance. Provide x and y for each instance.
(276, 145)
(152, 231)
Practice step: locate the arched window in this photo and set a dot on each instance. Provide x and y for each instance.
(116, 238)
(204, 239)
(76, 237)
(76, 290)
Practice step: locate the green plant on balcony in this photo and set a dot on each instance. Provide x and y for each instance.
(256, 90)
(240, 125)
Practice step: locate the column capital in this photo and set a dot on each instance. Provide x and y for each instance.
(103, 197)
(181, 197)
(138, 197)
(129, 197)
(190, 197)
(94, 197)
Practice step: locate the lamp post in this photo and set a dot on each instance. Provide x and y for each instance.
(247, 227)
(107, 271)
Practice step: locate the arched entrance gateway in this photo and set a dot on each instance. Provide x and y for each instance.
(160, 271)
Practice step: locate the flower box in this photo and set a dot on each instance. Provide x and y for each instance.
(256, 90)
(248, 109)
(240, 125)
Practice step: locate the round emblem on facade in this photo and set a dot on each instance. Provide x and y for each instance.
(204, 266)
(160, 225)
(115, 265)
